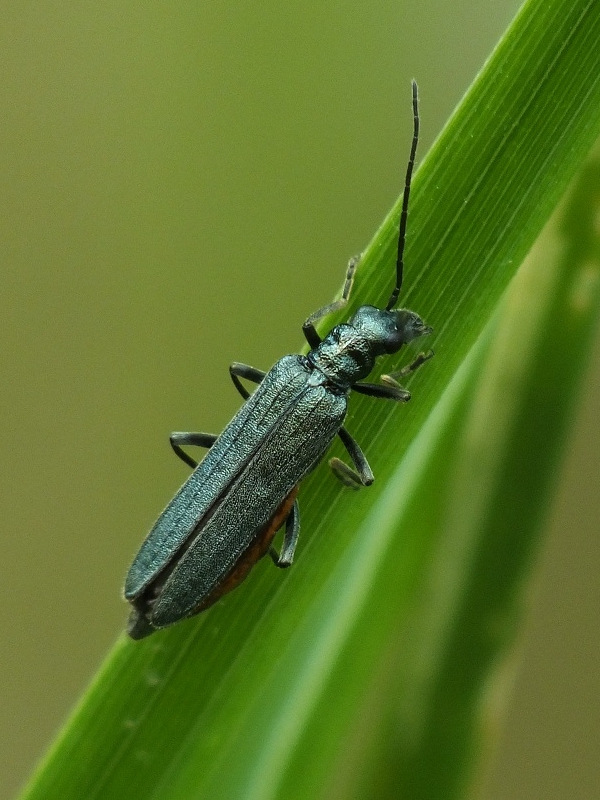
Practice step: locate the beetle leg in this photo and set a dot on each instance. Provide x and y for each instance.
(309, 330)
(237, 371)
(391, 391)
(390, 380)
(363, 475)
(196, 439)
(290, 539)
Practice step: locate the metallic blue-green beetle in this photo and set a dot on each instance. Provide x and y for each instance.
(224, 517)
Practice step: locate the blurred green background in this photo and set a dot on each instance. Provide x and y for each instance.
(182, 184)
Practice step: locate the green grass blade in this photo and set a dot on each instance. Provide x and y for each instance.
(223, 706)
(448, 601)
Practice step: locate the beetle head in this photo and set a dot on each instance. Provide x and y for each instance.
(408, 326)
(386, 330)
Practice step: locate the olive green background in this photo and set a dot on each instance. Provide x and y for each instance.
(182, 184)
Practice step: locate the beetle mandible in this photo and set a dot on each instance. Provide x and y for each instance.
(224, 517)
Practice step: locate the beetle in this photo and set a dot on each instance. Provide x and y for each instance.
(224, 517)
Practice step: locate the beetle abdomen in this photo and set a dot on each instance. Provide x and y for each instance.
(254, 553)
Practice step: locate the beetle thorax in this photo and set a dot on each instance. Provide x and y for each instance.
(344, 356)
(348, 352)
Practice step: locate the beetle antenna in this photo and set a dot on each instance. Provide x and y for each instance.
(404, 213)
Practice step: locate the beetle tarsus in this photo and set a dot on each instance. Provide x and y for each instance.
(345, 474)
(309, 330)
(414, 365)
